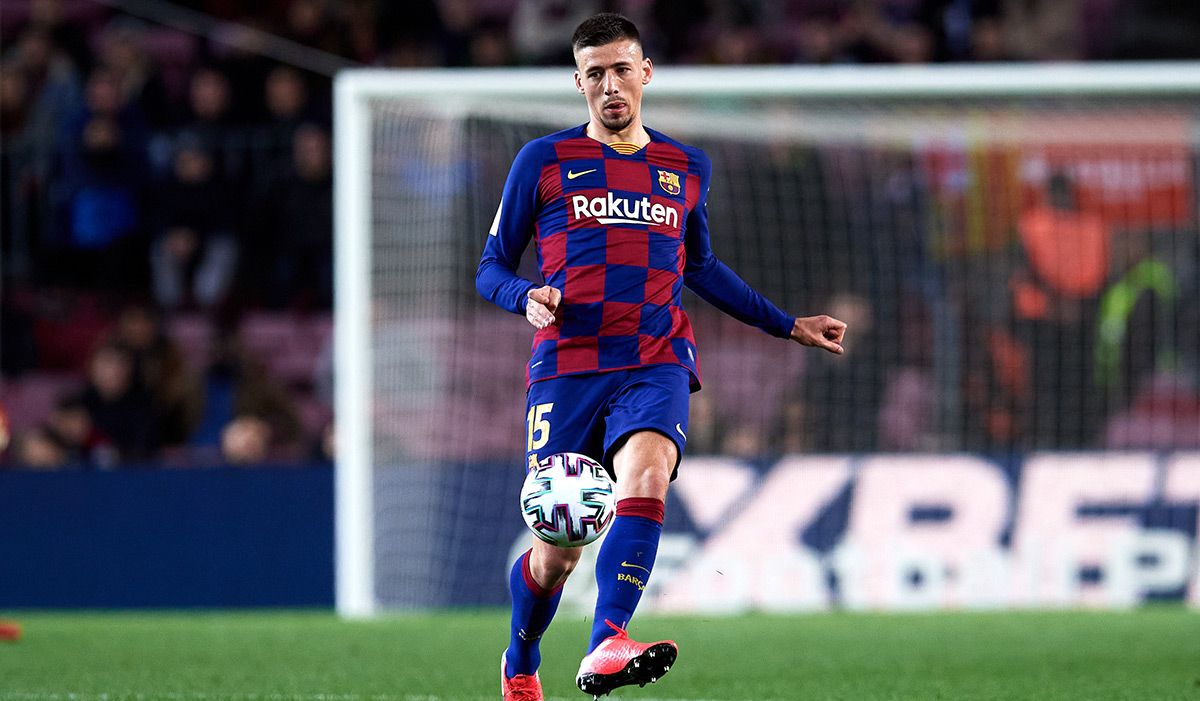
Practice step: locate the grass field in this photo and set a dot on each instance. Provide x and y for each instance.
(1147, 654)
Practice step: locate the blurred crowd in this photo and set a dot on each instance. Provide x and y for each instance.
(145, 399)
(167, 215)
(166, 182)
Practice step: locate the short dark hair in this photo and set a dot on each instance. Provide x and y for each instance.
(602, 29)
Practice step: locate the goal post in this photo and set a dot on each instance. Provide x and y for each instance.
(429, 381)
(353, 514)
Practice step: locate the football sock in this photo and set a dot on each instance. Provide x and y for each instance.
(532, 609)
(624, 563)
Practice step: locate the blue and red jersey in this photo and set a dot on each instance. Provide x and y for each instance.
(619, 235)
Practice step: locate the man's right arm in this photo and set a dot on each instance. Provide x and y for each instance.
(497, 279)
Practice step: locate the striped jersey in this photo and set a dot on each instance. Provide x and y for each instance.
(619, 232)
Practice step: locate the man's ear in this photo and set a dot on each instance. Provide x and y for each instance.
(578, 82)
(647, 70)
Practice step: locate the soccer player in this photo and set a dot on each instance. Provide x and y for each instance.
(618, 215)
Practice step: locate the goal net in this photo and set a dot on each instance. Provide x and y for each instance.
(1015, 251)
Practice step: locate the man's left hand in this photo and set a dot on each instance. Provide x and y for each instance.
(821, 331)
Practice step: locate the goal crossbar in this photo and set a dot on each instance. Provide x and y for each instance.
(801, 82)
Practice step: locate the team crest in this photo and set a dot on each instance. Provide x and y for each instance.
(669, 182)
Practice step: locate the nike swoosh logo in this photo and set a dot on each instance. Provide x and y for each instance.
(630, 564)
(571, 175)
(680, 429)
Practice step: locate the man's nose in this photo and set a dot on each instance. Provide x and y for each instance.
(610, 84)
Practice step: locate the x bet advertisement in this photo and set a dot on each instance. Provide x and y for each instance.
(910, 532)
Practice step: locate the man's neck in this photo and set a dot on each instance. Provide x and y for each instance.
(632, 134)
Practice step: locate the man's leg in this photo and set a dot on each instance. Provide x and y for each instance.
(643, 467)
(535, 584)
(564, 414)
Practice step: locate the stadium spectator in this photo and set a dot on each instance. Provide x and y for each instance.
(289, 105)
(195, 251)
(209, 101)
(36, 449)
(70, 426)
(817, 41)
(1044, 30)
(742, 33)
(287, 101)
(540, 29)
(298, 225)
(673, 26)
(409, 34)
(5, 431)
(159, 370)
(139, 80)
(490, 44)
(325, 449)
(362, 41)
(237, 57)
(51, 87)
(13, 100)
(237, 385)
(1147, 29)
(103, 177)
(246, 440)
(738, 45)
(310, 22)
(841, 411)
(1055, 300)
(458, 19)
(987, 40)
(210, 119)
(1130, 347)
(907, 411)
(16, 164)
(119, 409)
(51, 17)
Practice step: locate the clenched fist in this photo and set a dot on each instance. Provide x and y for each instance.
(821, 331)
(542, 308)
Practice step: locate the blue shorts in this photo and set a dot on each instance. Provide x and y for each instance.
(594, 414)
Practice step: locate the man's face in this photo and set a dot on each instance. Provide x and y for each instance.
(612, 77)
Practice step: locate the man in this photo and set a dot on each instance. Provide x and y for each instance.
(618, 213)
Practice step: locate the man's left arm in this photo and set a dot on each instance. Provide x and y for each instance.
(718, 285)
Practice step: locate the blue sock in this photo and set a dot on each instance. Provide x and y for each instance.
(624, 563)
(532, 609)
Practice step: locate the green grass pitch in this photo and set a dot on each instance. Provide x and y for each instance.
(1146, 654)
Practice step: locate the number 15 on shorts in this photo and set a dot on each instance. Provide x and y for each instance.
(539, 426)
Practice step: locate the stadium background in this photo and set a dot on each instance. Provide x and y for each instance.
(168, 284)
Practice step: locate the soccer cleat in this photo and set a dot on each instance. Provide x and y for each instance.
(522, 687)
(619, 661)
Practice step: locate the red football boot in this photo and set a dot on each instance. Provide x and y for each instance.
(619, 661)
(522, 687)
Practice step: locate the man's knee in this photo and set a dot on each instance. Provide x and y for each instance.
(644, 465)
(551, 565)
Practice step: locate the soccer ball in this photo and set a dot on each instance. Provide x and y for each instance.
(567, 500)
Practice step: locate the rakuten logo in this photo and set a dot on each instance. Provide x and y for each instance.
(621, 210)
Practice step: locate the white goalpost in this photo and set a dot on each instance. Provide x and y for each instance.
(897, 192)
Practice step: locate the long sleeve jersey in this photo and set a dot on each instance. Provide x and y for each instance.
(619, 235)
